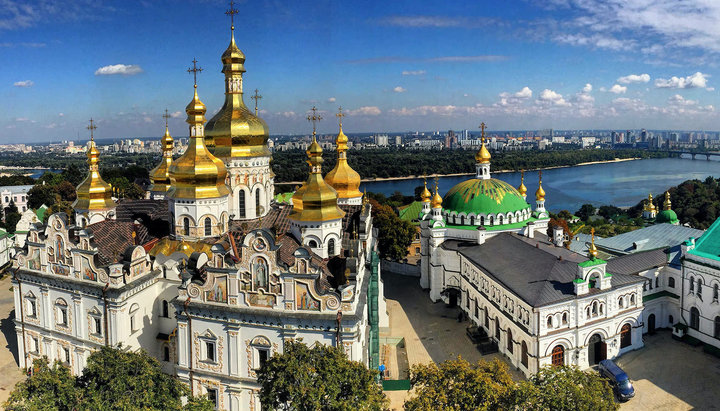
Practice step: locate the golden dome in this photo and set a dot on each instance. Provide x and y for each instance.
(197, 173)
(319, 200)
(522, 189)
(297, 198)
(540, 193)
(426, 194)
(592, 249)
(160, 175)
(234, 131)
(483, 155)
(649, 206)
(667, 205)
(436, 200)
(343, 178)
(93, 193)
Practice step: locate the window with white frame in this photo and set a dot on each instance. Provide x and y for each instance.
(261, 351)
(212, 396)
(66, 355)
(34, 345)
(31, 305)
(210, 351)
(62, 312)
(133, 317)
(208, 347)
(715, 293)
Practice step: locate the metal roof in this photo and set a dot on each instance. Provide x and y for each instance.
(648, 238)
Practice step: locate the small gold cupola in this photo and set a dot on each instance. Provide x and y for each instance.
(540, 193)
(93, 193)
(436, 200)
(160, 175)
(343, 178)
(483, 155)
(522, 189)
(426, 195)
(592, 249)
(667, 205)
(319, 200)
(234, 131)
(197, 174)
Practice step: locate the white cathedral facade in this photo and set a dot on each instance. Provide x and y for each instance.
(209, 275)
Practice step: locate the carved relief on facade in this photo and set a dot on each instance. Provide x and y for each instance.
(198, 340)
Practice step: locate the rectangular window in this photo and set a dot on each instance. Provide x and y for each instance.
(35, 345)
(98, 325)
(63, 317)
(132, 322)
(67, 355)
(212, 396)
(210, 351)
(32, 308)
(263, 356)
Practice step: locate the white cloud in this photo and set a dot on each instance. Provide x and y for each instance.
(24, 83)
(365, 111)
(331, 100)
(679, 100)
(399, 89)
(697, 80)
(286, 114)
(176, 114)
(61, 114)
(600, 41)
(617, 89)
(147, 119)
(524, 93)
(21, 119)
(587, 88)
(124, 69)
(413, 72)
(550, 96)
(634, 78)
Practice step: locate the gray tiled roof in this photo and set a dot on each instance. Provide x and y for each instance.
(638, 262)
(17, 189)
(648, 238)
(535, 274)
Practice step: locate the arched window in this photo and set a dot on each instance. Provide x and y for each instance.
(257, 202)
(462, 220)
(549, 322)
(558, 355)
(186, 226)
(208, 226)
(62, 312)
(671, 282)
(594, 308)
(692, 285)
(331, 247)
(716, 330)
(524, 354)
(564, 318)
(625, 336)
(487, 319)
(165, 309)
(621, 302)
(602, 307)
(509, 341)
(312, 244)
(241, 204)
(657, 282)
(133, 320)
(715, 293)
(472, 220)
(694, 318)
(632, 299)
(500, 219)
(671, 320)
(699, 288)
(497, 328)
(482, 220)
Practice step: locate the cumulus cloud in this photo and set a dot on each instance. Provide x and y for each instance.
(697, 80)
(24, 83)
(399, 89)
(176, 114)
(123, 69)
(509, 99)
(634, 78)
(365, 111)
(440, 59)
(286, 114)
(617, 89)
(587, 88)
(331, 100)
(413, 72)
(550, 96)
(679, 100)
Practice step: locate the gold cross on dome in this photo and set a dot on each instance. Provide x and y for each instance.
(256, 97)
(232, 12)
(314, 118)
(194, 70)
(166, 116)
(340, 116)
(482, 131)
(540, 176)
(92, 127)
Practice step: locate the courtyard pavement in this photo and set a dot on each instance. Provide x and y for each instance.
(11, 373)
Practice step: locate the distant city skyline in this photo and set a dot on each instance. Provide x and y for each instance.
(393, 66)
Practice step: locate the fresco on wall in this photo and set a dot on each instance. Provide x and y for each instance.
(261, 300)
(260, 270)
(34, 261)
(59, 250)
(60, 269)
(218, 293)
(303, 298)
(87, 272)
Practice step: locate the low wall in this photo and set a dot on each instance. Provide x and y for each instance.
(409, 270)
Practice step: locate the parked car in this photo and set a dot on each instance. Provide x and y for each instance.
(619, 380)
(475, 334)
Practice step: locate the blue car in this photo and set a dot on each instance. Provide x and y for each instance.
(619, 380)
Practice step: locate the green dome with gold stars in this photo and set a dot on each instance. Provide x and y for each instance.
(484, 196)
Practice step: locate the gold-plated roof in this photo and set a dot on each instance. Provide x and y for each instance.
(426, 194)
(234, 131)
(297, 198)
(649, 206)
(667, 205)
(166, 246)
(540, 193)
(592, 250)
(160, 175)
(522, 189)
(197, 173)
(436, 200)
(93, 193)
(483, 155)
(343, 178)
(319, 200)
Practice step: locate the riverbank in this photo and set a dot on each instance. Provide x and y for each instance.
(431, 176)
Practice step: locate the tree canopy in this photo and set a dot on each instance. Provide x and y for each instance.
(113, 379)
(394, 234)
(318, 378)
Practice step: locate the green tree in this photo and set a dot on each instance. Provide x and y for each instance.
(565, 215)
(73, 174)
(394, 234)
(12, 216)
(585, 211)
(41, 194)
(563, 389)
(49, 388)
(66, 191)
(459, 385)
(609, 211)
(318, 378)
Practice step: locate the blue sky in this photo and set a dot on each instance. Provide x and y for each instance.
(393, 65)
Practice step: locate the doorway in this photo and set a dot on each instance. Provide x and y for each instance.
(597, 349)
(651, 324)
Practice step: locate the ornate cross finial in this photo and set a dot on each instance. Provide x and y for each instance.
(232, 12)
(92, 127)
(314, 118)
(166, 116)
(482, 132)
(540, 176)
(522, 175)
(194, 70)
(592, 233)
(340, 116)
(436, 183)
(256, 97)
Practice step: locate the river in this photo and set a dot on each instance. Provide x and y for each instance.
(620, 184)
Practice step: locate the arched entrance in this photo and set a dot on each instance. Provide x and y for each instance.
(558, 355)
(651, 324)
(597, 349)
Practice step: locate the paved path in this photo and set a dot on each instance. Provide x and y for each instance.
(11, 373)
(670, 375)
